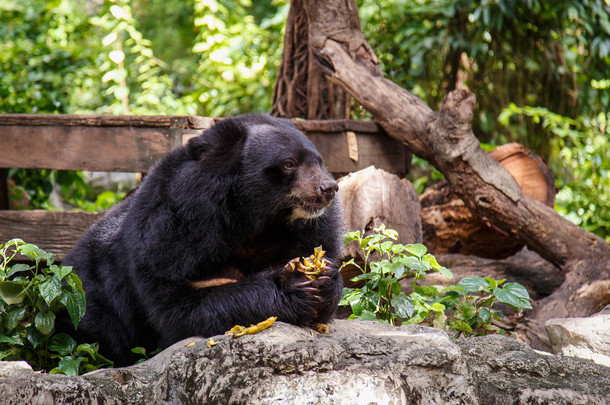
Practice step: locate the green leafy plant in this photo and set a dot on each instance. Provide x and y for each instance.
(471, 304)
(381, 296)
(465, 308)
(30, 296)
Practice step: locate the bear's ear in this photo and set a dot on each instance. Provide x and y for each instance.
(196, 147)
(219, 149)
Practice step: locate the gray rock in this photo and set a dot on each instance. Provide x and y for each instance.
(587, 338)
(356, 363)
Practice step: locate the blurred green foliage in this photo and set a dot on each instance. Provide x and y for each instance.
(532, 59)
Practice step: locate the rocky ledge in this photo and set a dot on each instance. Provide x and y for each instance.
(356, 363)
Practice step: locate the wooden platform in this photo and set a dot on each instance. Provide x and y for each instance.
(133, 144)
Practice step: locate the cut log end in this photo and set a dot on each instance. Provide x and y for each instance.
(450, 227)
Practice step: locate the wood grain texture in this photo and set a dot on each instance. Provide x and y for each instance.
(53, 231)
(65, 120)
(133, 144)
(84, 148)
(373, 150)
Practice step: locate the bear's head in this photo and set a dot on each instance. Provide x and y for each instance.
(272, 165)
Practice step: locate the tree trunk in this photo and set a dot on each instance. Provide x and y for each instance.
(445, 139)
(301, 90)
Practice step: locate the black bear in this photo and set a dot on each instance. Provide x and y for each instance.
(202, 244)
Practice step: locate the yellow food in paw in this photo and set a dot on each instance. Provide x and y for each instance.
(311, 266)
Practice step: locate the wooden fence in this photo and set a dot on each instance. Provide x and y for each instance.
(132, 144)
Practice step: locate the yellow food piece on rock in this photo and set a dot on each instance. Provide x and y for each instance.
(238, 330)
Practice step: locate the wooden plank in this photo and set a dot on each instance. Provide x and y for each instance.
(134, 143)
(370, 127)
(53, 231)
(171, 121)
(67, 120)
(381, 151)
(84, 148)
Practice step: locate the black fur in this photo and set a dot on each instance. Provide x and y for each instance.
(245, 198)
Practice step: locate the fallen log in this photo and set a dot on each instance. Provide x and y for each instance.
(450, 227)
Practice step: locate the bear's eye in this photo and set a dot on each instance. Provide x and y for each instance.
(290, 164)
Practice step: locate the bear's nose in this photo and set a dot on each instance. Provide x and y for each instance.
(328, 188)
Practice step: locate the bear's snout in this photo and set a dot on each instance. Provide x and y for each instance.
(328, 188)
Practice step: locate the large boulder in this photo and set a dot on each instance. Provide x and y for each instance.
(587, 338)
(356, 363)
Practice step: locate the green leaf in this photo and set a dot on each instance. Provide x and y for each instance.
(75, 304)
(350, 294)
(494, 283)
(367, 315)
(35, 253)
(44, 322)
(467, 310)
(383, 287)
(430, 259)
(350, 262)
(75, 282)
(60, 271)
(514, 295)
(497, 315)
(427, 290)
(11, 340)
(357, 307)
(351, 236)
(390, 233)
(485, 315)
(11, 292)
(444, 271)
(35, 337)
(70, 365)
(397, 268)
(13, 318)
(139, 350)
(19, 267)
(452, 288)
(398, 248)
(413, 263)
(439, 319)
(416, 249)
(474, 284)
(459, 325)
(418, 318)
(89, 348)
(50, 289)
(62, 344)
(403, 305)
(386, 246)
